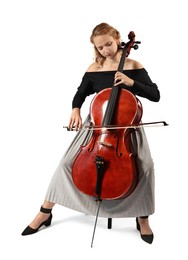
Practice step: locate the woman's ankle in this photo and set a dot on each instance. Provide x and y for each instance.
(48, 205)
(144, 226)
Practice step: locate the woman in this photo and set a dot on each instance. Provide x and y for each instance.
(101, 74)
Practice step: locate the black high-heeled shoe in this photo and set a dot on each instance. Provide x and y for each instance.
(146, 238)
(29, 231)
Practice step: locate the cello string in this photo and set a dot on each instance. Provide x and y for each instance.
(110, 106)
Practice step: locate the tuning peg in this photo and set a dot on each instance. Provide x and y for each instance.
(135, 47)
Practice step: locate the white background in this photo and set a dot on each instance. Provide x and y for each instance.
(44, 52)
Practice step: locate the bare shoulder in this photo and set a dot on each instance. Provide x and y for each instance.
(132, 64)
(93, 67)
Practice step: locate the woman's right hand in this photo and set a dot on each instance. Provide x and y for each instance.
(75, 120)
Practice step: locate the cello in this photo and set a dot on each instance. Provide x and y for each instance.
(105, 168)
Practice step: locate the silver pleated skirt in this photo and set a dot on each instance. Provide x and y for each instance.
(140, 202)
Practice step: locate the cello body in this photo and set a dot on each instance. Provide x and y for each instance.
(105, 167)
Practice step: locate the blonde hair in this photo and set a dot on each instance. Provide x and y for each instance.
(102, 29)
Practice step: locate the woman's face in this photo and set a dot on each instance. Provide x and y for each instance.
(106, 45)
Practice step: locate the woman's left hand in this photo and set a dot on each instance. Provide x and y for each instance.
(121, 78)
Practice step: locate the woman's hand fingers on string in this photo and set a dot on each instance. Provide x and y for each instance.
(121, 78)
(118, 78)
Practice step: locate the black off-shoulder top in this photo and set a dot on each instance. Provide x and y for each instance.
(94, 82)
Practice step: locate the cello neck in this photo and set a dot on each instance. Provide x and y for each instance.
(110, 109)
(122, 60)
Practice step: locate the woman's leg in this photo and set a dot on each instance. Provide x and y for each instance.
(144, 225)
(144, 229)
(41, 217)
